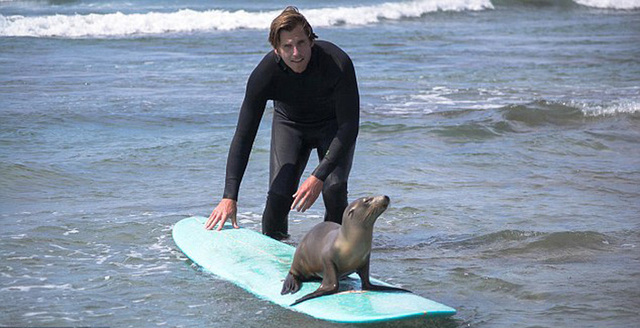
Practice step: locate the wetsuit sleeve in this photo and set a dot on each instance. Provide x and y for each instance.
(251, 112)
(348, 118)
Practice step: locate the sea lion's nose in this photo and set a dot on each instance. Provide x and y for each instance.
(384, 200)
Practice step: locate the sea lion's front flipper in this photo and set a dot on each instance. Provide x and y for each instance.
(366, 282)
(329, 284)
(291, 285)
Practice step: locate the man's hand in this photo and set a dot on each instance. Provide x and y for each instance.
(225, 210)
(307, 194)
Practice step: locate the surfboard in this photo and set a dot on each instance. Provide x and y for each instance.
(260, 264)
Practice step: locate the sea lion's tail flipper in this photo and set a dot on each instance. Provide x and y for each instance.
(366, 281)
(371, 286)
(291, 285)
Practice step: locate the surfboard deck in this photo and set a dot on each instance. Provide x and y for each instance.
(260, 264)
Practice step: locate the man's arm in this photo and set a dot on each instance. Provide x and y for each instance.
(253, 105)
(348, 118)
(251, 112)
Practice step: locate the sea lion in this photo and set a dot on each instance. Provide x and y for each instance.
(331, 251)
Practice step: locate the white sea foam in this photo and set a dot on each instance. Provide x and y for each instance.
(627, 107)
(187, 20)
(50, 286)
(611, 4)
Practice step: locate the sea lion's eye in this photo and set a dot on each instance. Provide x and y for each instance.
(368, 200)
(350, 212)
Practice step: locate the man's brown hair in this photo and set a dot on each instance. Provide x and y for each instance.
(288, 20)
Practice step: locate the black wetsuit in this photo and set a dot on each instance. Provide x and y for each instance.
(318, 108)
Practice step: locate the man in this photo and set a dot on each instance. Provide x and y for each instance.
(316, 106)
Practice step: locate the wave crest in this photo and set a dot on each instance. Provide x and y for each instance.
(544, 246)
(545, 112)
(603, 4)
(611, 4)
(187, 20)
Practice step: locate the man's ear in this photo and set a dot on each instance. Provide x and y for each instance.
(278, 57)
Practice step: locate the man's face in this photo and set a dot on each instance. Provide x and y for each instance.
(295, 49)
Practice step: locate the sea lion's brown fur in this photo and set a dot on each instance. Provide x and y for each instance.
(330, 251)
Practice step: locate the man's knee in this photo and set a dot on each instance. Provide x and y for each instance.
(275, 216)
(335, 191)
(335, 201)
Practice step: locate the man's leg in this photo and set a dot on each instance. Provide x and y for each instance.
(288, 159)
(275, 216)
(334, 191)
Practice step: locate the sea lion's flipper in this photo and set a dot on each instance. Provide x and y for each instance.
(329, 284)
(366, 282)
(384, 288)
(291, 285)
(319, 292)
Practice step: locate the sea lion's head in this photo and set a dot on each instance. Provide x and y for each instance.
(365, 210)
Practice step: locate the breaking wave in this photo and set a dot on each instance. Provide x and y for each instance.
(543, 112)
(187, 20)
(611, 4)
(603, 4)
(118, 24)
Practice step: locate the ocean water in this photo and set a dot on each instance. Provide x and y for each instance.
(506, 133)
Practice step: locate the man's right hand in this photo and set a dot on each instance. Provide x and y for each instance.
(225, 210)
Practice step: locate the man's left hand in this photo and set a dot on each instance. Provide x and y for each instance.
(307, 194)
